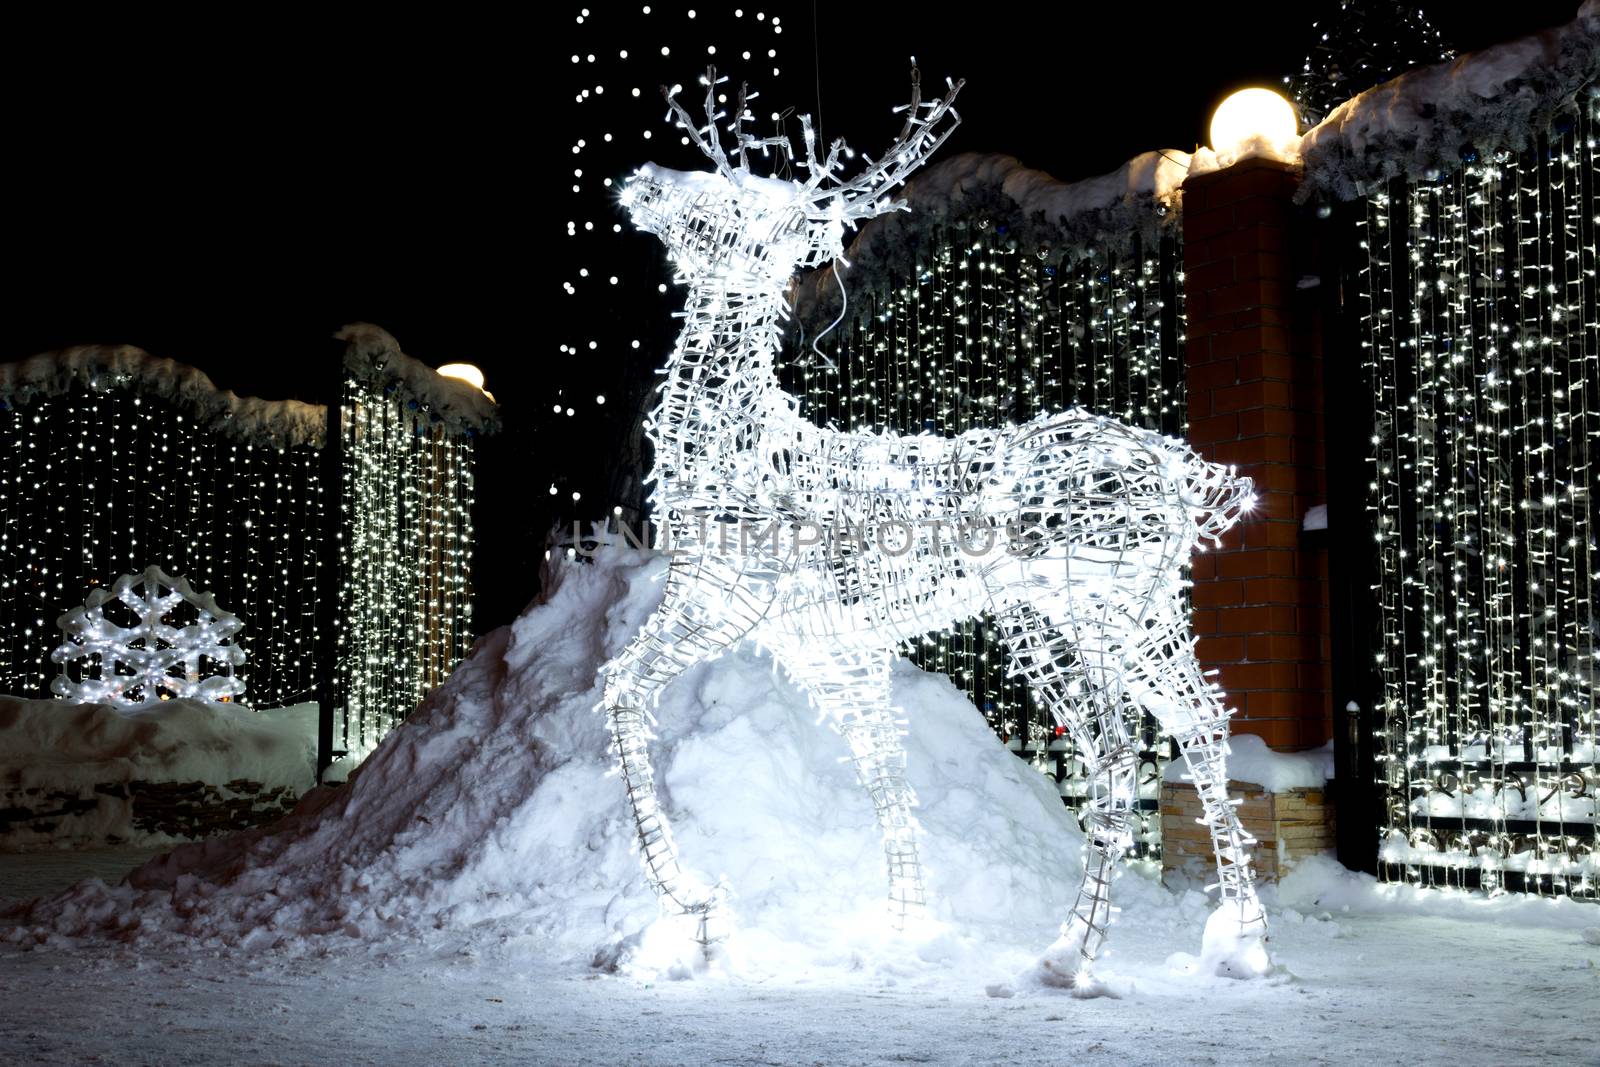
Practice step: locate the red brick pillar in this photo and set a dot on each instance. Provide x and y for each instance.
(1255, 400)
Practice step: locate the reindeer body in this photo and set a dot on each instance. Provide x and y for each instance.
(833, 548)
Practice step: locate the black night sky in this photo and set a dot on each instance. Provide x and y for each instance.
(228, 193)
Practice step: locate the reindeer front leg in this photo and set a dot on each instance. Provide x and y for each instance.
(710, 604)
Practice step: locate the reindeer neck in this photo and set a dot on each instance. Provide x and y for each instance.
(720, 373)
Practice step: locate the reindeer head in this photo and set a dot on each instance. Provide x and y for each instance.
(732, 224)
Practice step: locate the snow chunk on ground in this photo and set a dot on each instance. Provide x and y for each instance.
(492, 821)
(1320, 886)
(1250, 760)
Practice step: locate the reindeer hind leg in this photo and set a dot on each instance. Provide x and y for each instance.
(1191, 709)
(1073, 669)
(853, 689)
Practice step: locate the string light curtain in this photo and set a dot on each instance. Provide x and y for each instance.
(112, 461)
(405, 612)
(975, 326)
(1481, 346)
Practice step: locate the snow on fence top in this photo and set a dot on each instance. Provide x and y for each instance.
(1426, 122)
(1065, 220)
(372, 356)
(99, 368)
(1433, 119)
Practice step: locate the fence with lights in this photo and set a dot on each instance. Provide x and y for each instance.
(113, 461)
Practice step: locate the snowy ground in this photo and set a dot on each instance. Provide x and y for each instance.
(449, 906)
(1499, 982)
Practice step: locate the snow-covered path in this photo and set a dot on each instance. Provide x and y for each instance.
(1505, 982)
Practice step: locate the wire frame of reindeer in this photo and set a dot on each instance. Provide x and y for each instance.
(1091, 521)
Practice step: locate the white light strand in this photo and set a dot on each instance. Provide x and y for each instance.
(103, 468)
(1482, 346)
(406, 615)
(1089, 525)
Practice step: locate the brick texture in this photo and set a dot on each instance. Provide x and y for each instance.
(1255, 401)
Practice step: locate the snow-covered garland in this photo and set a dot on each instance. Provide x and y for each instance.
(1072, 528)
(103, 368)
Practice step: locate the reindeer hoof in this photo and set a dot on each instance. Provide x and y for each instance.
(1064, 966)
(1234, 949)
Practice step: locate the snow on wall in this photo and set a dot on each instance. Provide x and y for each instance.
(281, 423)
(371, 354)
(1068, 219)
(493, 815)
(1252, 762)
(374, 357)
(64, 748)
(1420, 124)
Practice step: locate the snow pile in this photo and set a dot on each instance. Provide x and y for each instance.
(280, 423)
(1426, 121)
(1319, 884)
(373, 356)
(1066, 220)
(65, 749)
(1251, 761)
(491, 819)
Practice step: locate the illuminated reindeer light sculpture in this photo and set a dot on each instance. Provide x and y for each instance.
(1072, 529)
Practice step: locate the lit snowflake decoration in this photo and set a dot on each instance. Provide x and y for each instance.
(832, 549)
(153, 657)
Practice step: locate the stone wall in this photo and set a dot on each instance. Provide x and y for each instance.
(104, 814)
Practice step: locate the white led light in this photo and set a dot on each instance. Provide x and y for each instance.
(1090, 602)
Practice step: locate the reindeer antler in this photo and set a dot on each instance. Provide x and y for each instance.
(747, 142)
(708, 140)
(918, 139)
